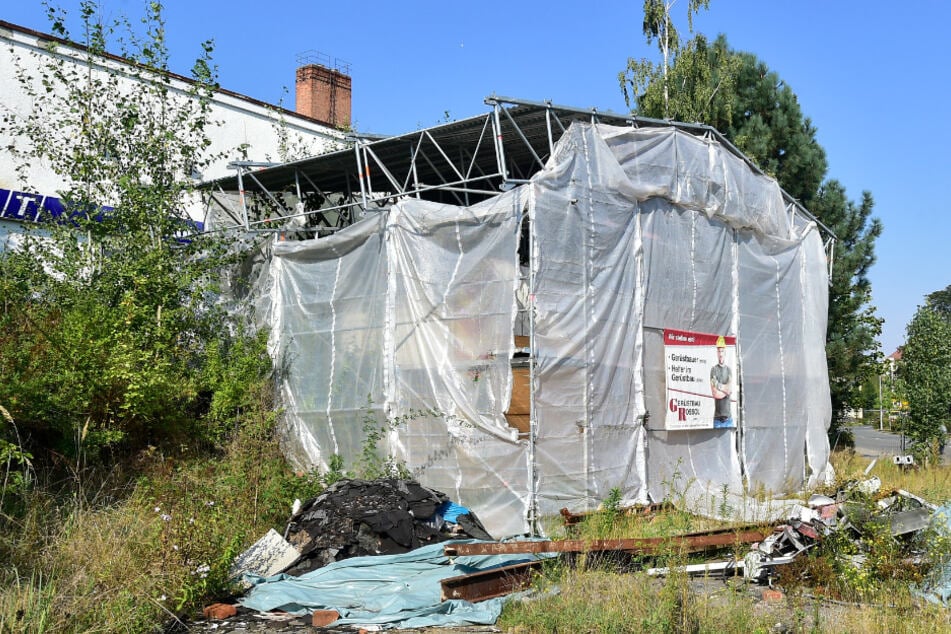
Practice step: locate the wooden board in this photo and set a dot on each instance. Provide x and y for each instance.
(521, 408)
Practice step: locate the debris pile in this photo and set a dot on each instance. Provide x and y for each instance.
(392, 517)
(849, 513)
(375, 517)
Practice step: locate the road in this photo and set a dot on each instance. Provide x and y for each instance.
(871, 443)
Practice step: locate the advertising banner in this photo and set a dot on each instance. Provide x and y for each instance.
(701, 378)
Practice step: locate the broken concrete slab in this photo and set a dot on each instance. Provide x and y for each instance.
(909, 521)
(268, 556)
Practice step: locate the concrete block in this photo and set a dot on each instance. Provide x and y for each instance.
(268, 556)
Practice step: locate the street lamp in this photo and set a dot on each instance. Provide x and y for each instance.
(881, 417)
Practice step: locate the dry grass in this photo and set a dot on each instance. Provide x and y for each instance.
(600, 601)
(593, 598)
(128, 554)
(84, 570)
(932, 482)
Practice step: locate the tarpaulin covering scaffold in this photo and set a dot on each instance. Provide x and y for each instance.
(676, 314)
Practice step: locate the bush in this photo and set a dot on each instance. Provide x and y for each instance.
(108, 314)
(147, 406)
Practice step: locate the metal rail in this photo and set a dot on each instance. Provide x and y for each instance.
(488, 584)
(693, 542)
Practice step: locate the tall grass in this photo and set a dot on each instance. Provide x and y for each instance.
(601, 601)
(593, 597)
(126, 550)
(932, 482)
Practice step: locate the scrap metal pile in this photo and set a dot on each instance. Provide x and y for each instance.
(855, 514)
(851, 513)
(352, 518)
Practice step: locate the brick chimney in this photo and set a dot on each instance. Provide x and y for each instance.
(323, 93)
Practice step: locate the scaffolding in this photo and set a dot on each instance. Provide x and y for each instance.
(462, 163)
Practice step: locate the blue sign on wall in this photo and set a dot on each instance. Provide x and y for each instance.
(27, 207)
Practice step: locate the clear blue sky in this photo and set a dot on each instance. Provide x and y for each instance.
(874, 77)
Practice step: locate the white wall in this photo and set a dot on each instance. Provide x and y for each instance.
(244, 122)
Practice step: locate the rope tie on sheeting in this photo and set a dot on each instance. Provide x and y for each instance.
(333, 355)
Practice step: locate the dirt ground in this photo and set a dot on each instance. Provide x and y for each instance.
(789, 613)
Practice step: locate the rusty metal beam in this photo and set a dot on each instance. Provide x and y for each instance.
(572, 519)
(488, 584)
(693, 542)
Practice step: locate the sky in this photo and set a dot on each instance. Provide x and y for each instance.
(873, 77)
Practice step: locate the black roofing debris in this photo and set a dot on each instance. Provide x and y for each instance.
(353, 518)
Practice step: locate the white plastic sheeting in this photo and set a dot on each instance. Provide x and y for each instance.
(403, 324)
(632, 231)
(589, 314)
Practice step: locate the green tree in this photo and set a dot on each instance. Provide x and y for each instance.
(925, 370)
(941, 300)
(738, 95)
(107, 310)
(758, 112)
(851, 338)
(762, 117)
(868, 395)
(688, 78)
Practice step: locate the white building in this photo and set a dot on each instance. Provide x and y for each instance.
(249, 129)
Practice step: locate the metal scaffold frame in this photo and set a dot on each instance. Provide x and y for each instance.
(461, 162)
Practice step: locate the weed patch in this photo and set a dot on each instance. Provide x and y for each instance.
(851, 582)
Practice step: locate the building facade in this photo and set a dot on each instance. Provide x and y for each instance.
(246, 129)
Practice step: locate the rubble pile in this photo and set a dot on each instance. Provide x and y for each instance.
(392, 517)
(375, 517)
(905, 514)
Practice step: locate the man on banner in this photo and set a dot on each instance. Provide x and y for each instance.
(721, 385)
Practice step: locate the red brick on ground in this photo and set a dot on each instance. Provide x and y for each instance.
(219, 611)
(773, 595)
(324, 617)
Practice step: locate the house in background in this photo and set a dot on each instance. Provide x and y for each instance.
(898, 407)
